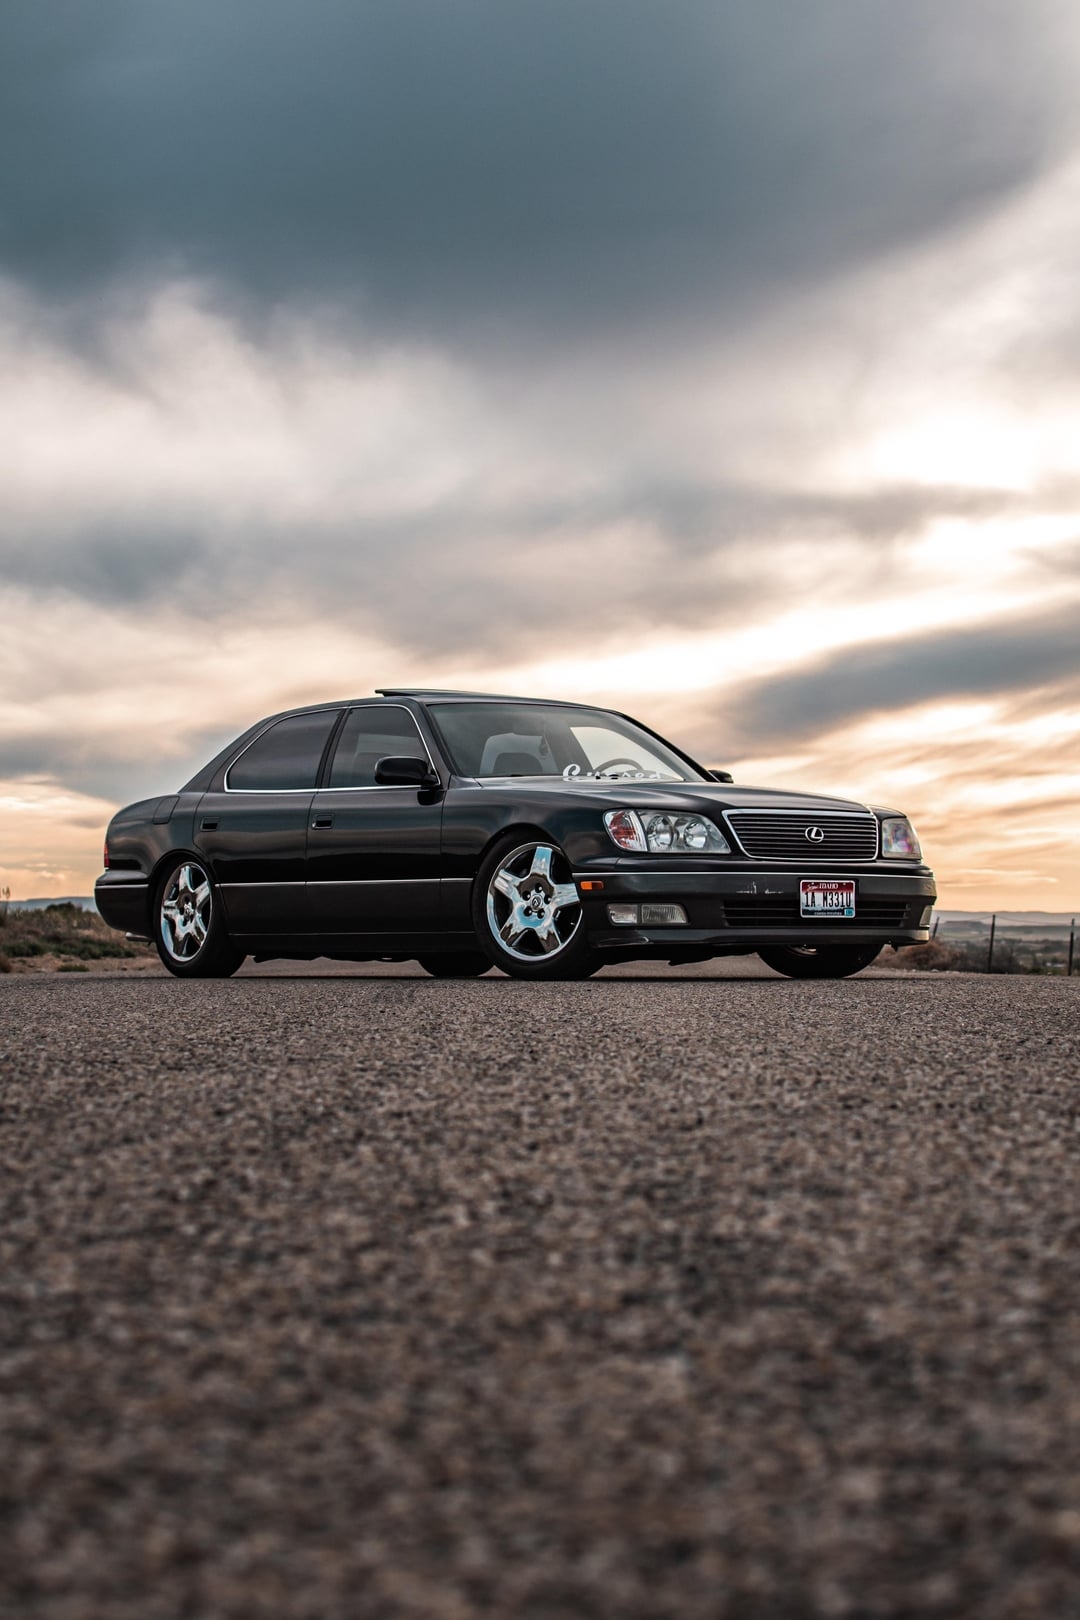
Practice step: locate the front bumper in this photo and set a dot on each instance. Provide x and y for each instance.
(737, 909)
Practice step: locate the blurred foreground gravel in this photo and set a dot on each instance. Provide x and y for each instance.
(656, 1298)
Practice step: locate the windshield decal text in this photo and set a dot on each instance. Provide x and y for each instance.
(573, 771)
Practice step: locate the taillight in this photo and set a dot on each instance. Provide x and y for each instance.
(106, 855)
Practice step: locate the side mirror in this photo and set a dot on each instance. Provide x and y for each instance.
(399, 770)
(721, 776)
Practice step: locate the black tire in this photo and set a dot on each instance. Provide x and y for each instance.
(552, 942)
(189, 924)
(456, 965)
(819, 961)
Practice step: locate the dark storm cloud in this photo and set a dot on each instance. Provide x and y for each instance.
(563, 162)
(119, 561)
(985, 661)
(126, 764)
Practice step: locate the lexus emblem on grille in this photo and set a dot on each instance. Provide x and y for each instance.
(816, 835)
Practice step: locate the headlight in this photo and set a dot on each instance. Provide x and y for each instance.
(661, 832)
(898, 839)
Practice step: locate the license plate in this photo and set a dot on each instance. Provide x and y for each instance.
(827, 897)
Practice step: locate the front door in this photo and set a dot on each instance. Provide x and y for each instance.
(253, 832)
(374, 853)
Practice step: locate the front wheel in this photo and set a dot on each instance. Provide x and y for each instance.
(189, 929)
(527, 913)
(819, 961)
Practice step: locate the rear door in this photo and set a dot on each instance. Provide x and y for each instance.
(374, 853)
(253, 831)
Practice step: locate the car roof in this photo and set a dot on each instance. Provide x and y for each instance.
(420, 694)
(424, 694)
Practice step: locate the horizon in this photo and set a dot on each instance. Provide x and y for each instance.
(1055, 919)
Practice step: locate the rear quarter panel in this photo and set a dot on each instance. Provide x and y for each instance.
(141, 838)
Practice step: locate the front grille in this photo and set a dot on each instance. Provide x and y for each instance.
(775, 911)
(777, 835)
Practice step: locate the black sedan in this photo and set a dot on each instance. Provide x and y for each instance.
(468, 832)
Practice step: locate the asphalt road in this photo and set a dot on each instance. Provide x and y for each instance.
(638, 1299)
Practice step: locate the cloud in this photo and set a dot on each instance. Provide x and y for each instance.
(183, 470)
(997, 658)
(562, 165)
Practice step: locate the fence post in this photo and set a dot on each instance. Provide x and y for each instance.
(990, 951)
(1072, 944)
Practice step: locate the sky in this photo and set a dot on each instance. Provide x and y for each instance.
(716, 362)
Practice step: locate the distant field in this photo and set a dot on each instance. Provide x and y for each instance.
(85, 902)
(63, 937)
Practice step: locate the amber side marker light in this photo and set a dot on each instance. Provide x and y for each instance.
(590, 884)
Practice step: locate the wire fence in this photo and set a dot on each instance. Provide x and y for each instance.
(993, 943)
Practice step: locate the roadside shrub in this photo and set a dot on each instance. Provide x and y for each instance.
(970, 956)
(92, 950)
(928, 956)
(65, 931)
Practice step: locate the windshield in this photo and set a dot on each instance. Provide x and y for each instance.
(532, 739)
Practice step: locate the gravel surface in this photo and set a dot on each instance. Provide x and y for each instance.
(645, 1298)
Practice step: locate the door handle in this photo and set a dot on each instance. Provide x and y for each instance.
(323, 821)
(209, 826)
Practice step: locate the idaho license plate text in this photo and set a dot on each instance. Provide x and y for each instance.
(827, 897)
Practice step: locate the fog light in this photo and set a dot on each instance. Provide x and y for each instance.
(623, 916)
(663, 916)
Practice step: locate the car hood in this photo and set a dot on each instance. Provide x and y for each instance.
(715, 796)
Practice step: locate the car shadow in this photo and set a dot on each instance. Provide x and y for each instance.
(495, 980)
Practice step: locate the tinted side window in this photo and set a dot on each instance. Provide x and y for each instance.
(286, 756)
(369, 735)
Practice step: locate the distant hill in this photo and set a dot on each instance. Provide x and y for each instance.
(978, 922)
(84, 901)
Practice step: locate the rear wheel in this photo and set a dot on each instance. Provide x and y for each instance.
(189, 929)
(819, 961)
(527, 913)
(456, 965)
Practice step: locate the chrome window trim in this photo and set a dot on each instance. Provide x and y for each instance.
(380, 787)
(377, 787)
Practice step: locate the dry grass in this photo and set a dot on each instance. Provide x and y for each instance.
(62, 937)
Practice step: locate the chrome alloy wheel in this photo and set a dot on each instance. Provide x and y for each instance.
(529, 912)
(186, 910)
